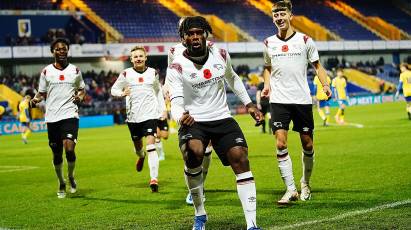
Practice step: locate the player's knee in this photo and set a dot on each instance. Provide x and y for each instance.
(193, 157)
(238, 155)
(308, 145)
(70, 156)
(57, 150)
(281, 145)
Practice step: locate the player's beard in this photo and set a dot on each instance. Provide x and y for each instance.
(198, 51)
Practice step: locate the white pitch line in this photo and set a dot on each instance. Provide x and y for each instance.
(9, 168)
(345, 215)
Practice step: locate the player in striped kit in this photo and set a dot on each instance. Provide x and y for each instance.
(61, 85)
(199, 103)
(144, 99)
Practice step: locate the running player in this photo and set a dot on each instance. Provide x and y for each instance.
(286, 57)
(61, 85)
(144, 99)
(199, 103)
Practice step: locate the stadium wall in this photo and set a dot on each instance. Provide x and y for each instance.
(8, 128)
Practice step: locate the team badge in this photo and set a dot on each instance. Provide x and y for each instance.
(207, 74)
(218, 66)
(61, 77)
(284, 48)
(193, 75)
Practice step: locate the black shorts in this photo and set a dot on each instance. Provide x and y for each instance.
(162, 125)
(63, 129)
(224, 134)
(265, 108)
(301, 115)
(142, 129)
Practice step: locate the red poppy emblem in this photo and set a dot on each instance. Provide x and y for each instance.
(207, 74)
(284, 48)
(61, 77)
(140, 79)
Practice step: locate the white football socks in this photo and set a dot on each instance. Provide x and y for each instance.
(194, 180)
(286, 169)
(247, 193)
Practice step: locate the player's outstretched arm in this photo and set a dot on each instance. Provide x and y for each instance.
(322, 76)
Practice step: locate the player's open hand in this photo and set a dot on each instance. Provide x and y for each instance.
(327, 91)
(186, 119)
(126, 91)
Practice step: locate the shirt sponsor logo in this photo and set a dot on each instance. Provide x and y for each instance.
(207, 83)
(207, 74)
(61, 77)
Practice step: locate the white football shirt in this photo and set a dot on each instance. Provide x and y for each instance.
(60, 86)
(202, 86)
(144, 102)
(289, 60)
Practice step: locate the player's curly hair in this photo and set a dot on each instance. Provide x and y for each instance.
(57, 40)
(195, 22)
(281, 5)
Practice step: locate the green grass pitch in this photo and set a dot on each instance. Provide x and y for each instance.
(357, 171)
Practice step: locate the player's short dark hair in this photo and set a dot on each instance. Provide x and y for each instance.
(282, 5)
(195, 22)
(57, 40)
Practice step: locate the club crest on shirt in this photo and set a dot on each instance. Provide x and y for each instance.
(193, 75)
(61, 77)
(284, 48)
(218, 66)
(207, 74)
(140, 80)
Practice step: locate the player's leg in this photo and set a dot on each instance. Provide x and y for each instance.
(69, 132)
(280, 120)
(304, 124)
(56, 146)
(234, 145)
(327, 114)
(408, 100)
(153, 162)
(162, 133)
(342, 112)
(150, 132)
(192, 147)
(136, 134)
(159, 145)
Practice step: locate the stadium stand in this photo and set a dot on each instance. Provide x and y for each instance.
(340, 24)
(251, 20)
(386, 10)
(139, 20)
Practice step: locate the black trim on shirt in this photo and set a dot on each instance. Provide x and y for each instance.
(285, 40)
(175, 98)
(63, 67)
(141, 72)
